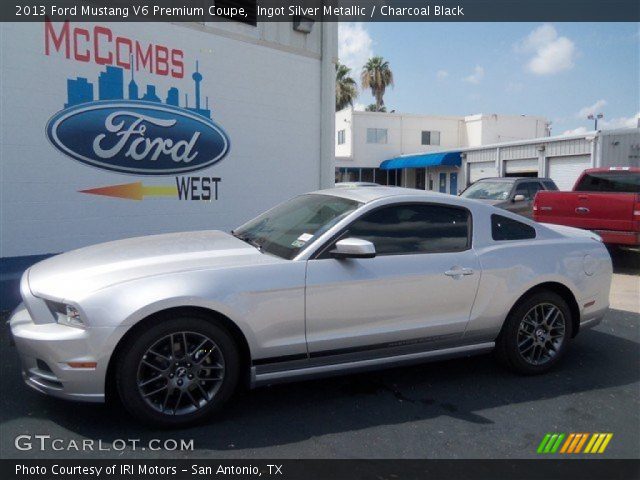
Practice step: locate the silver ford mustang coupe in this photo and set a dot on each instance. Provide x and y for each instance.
(330, 282)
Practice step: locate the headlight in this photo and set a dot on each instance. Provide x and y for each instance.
(66, 314)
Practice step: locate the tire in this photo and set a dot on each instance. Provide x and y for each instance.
(528, 347)
(162, 386)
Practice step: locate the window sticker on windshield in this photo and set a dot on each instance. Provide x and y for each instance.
(301, 240)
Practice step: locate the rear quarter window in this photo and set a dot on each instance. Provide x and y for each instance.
(613, 181)
(503, 228)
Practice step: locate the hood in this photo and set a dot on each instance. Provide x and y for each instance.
(75, 273)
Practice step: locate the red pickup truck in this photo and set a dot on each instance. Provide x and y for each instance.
(604, 200)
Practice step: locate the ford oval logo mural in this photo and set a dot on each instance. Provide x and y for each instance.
(140, 135)
(138, 138)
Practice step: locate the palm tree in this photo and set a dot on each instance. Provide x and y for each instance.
(377, 76)
(346, 88)
(374, 108)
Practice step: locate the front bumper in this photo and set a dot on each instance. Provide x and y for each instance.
(45, 351)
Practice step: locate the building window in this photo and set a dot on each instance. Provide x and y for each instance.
(395, 177)
(430, 137)
(347, 175)
(366, 175)
(341, 134)
(376, 135)
(381, 177)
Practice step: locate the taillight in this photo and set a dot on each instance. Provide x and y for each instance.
(636, 208)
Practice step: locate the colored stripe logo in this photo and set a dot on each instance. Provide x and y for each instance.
(574, 443)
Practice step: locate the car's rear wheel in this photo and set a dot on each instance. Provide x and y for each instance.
(177, 372)
(536, 333)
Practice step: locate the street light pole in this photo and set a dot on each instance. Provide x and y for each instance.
(595, 119)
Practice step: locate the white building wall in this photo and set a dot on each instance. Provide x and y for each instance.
(472, 133)
(264, 90)
(495, 128)
(404, 135)
(619, 148)
(343, 123)
(412, 127)
(370, 155)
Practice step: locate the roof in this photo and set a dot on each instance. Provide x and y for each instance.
(510, 179)
(369, 194)
(613, 169)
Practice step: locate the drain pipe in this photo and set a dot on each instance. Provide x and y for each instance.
(327, 103)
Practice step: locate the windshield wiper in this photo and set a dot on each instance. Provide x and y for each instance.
(248, 240)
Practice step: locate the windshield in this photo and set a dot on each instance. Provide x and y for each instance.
(488, 190)
(286, 229)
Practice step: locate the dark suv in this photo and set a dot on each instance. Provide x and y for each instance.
(515, 194)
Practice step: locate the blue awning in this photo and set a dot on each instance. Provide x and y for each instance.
(423, 160)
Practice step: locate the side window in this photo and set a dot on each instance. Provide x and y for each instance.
(549, 185)
(521, 189)
(503, 228)
(414, 228)
(533, 188)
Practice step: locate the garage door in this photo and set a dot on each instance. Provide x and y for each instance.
(478, 170)
(522, 165)
(566, 170)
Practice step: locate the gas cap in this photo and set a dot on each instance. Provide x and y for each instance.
(589, 264)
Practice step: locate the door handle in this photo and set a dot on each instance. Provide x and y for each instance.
(582, 210)
(458, 272)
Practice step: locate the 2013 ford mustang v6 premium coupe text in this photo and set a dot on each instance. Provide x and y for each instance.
(334, 281)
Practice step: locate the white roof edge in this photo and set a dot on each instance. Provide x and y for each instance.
(621, 130)
(401, 114)
(529, 141)
(463, 118)
(557, 138)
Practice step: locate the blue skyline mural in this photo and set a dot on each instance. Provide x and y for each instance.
(111, 87)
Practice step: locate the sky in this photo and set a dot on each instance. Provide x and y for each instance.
(561, 71)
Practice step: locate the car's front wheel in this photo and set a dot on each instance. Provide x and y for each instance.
(536, 333)
(177, 372)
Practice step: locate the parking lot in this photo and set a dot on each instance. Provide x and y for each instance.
(468, 408)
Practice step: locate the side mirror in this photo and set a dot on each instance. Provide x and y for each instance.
(518, 198)
(353, 248)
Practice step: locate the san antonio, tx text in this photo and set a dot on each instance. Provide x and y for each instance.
(269, 469)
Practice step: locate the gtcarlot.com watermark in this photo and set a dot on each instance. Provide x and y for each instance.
(47, 443)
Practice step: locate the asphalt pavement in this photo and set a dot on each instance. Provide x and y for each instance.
(465, 408)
